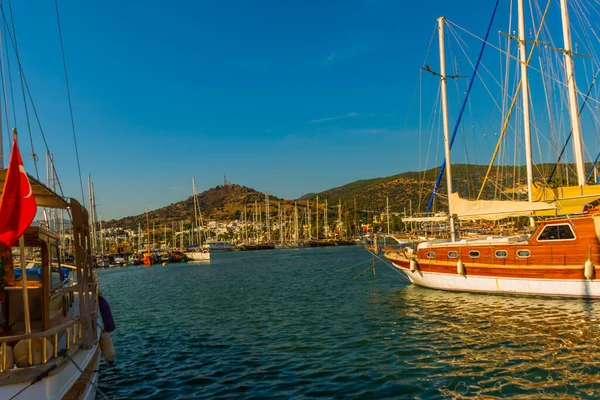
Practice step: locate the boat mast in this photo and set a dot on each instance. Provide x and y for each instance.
(317, 213)
(195, 225)
(387, 207)
(280, 223)
(148, 228)
(295, 223)
(267, 218)
(572, 92)
(525, 98)
(445, 121)
(308, 220)
(325, 226)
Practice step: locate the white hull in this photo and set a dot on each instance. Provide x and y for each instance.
(489, 284)
(198, 256)
(58, 385)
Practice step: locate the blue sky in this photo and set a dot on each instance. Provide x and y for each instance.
(287, 97)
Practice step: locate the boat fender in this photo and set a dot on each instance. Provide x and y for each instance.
(10, 361)
(460, 268)
(107, 317)
(20, 352)
(107, 348)
(413, 265)
(588, 270)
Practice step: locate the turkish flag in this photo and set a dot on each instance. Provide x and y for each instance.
(17, 205)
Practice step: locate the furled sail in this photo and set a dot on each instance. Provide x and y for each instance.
(496, 209)
(568, 199)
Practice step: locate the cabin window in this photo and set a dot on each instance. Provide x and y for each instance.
(33, 266)
(556, 232)
(523, 253)
(474, 254)
(501, 253)
(453, 254)
(56, 273)
(431, 254)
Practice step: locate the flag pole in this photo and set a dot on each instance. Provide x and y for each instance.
(25, 299)
(24, 283)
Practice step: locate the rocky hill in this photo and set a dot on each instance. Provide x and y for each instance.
(408, 191)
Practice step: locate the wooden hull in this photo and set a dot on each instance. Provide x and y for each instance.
(490, 280)
(496, 265)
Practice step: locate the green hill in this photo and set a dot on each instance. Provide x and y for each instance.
(408, 191)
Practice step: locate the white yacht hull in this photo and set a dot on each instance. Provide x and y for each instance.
(198, 256)
(58, 384)
(504, 285)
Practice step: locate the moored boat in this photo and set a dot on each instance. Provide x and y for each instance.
(196, 253)
(50, 335)
(560, 256)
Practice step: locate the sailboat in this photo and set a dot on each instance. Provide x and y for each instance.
(196, 252)
(559, 258)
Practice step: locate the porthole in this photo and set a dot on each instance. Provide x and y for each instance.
(474, 254)
(501, 253)
(523, 253)
(431, 254)
(453, 254)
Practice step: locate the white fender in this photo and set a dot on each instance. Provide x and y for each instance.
(413, 265)
(588, 270)
(107, 348)
(460, 268)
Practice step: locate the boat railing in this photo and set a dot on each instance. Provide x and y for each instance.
(72, 329)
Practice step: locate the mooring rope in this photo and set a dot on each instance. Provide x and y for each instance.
(85, 376)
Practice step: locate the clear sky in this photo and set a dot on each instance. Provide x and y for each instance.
(286, 97)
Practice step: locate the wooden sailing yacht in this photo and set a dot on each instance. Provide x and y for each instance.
(559, 258)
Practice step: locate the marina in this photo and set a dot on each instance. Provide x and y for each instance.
(329, 335)
(363, 222)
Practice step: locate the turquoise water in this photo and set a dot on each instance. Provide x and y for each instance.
(294, 324)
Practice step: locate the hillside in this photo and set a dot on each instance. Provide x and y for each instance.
(406, 191)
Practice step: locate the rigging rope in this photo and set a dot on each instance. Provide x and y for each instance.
(22, 78)
(512, 106)
(462, 109)
(62, 48)
(34, 109)
(562, 152)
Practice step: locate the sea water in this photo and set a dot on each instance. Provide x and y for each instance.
(306, 324)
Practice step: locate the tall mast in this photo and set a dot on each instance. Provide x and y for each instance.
(317, 213)
(148, 228)
(325, 226)
(340, 223)
(572, 91)
(91, 214)
(267, 217)
(308, 221)
(525, 98)
(355, 220)
(445, 121)
(295, 223)
(280, 223)
(195, 211)
(387, 207)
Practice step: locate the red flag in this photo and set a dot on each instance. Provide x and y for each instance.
(17, 205)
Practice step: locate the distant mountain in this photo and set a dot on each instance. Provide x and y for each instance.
(408, 191)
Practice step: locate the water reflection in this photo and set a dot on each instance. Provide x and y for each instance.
(486, 345)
